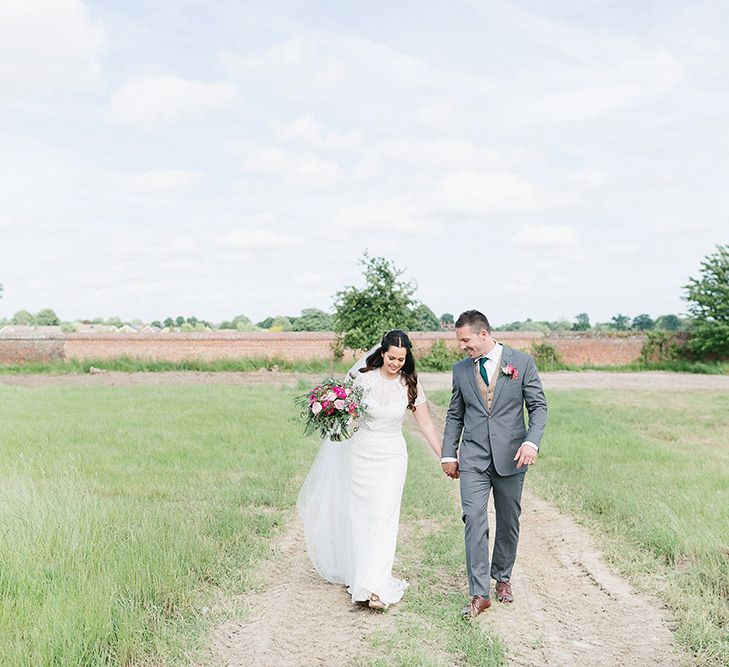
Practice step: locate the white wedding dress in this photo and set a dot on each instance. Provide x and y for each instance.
(350, 501)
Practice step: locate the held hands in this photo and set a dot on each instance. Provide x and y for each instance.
(450, 468)
(525, 456)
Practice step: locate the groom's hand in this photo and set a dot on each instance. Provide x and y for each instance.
(525, 456)
(450, 468)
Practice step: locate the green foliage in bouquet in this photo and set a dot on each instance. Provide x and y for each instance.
(334, 409)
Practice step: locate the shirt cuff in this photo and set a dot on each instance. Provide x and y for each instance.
(531, 444)
(448, 459)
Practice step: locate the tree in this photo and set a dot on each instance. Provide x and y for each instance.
(643, 322)
(708, 298)
(280, 323)
(242, 323)
(668, 323)
(156, 323)
(313, 319)
(447, 318)
(620, 322)
(363, 316)
(423, 318)
(23, 318)
(179, 320)
(169, 322)
(265, 324)
(582, 322)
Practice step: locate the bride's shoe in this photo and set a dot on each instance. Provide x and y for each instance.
(376, 603)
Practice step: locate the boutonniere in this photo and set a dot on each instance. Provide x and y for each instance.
(510, 371)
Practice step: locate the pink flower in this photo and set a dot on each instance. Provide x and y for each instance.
(510, 371)
(340, 392)
(339, 404)
(316, 407)
(331, 396)
(352, 408)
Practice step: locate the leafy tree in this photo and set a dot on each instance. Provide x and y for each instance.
(643, 322)
(179, 320)
(169, 322)
(281, 323)
(708, 298)
(423, 318)
(362, 316)
(265, 324)
(620, 322)
(559, 325)
(668, 323)
(447, 318)
(192, 320)
(582, 322)
(527, 325)
(157, 324)
(23, 318)
(313, 319)
(242, 323)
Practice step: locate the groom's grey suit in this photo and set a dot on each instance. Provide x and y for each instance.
(488, 424)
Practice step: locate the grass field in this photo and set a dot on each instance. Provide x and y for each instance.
(649, 472)
(127, 511)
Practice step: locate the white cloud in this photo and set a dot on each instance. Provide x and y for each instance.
(546, 236)
(257, 239)
(293, 168)
(306, 131)
(348, 66)
(161, 181)
(48, 46)
(487, 193)
(293, 61)
(151, 101)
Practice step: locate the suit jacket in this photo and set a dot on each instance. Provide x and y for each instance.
(485, 435)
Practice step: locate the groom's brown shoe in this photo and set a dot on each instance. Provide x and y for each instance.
(503, 591)
(477, 604)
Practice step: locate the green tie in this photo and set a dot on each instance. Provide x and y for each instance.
(482, 368)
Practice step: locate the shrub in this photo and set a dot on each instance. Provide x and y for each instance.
(546, 356)
(439, 358)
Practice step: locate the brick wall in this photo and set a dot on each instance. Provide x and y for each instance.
(573, 348)
(19, 349)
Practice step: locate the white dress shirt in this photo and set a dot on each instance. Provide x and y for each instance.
(492, 358)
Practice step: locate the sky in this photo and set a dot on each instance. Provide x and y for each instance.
(214, 158)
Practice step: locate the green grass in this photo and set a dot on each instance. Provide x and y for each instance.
(125, 511)
(649, 473)
(130, 365)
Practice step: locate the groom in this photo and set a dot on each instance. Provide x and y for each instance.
(486, 417)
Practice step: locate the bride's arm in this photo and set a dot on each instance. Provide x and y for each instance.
(425, 423)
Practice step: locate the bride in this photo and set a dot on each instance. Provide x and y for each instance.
(350, 501)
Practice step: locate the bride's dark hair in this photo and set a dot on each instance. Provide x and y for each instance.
(397, 338)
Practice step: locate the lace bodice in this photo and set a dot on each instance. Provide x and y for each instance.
(386, 401)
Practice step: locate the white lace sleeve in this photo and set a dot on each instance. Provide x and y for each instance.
(420, 398)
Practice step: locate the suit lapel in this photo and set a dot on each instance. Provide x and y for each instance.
(506, 356)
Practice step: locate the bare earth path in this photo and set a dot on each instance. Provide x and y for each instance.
(657, 381)
(570, 609)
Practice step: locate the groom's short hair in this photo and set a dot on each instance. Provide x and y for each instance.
(474, 319)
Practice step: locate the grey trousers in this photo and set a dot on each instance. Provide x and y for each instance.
(475, 490)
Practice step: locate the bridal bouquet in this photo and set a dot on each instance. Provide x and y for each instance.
(332, 408)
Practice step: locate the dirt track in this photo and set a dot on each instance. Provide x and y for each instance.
(656, 381)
